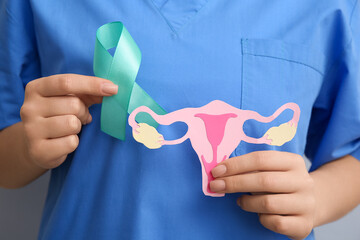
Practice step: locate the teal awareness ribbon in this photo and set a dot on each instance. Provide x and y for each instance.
(121, 69)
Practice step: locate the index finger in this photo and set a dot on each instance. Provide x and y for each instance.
(65, 84)
(257, 161)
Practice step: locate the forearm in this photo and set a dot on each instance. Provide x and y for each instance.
(16, 170)
(337, 189)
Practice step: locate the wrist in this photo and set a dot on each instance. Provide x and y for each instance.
(15, 168)
(31, 168)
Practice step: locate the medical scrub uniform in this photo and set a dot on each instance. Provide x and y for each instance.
(251, 54)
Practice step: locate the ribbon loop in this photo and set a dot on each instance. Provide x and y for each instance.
(121, 69)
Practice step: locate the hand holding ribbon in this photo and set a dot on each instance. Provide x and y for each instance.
(121, 69)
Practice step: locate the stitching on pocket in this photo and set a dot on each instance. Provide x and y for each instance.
(284, 51)
(284, 59)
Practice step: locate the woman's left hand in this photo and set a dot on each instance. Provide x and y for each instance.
(282, 189)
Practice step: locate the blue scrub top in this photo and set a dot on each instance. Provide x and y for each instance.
(254, 55)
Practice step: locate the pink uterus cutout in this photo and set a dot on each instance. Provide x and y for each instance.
(214, 130)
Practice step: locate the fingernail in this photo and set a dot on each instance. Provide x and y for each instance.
(218, 171)
(109, 88)
(217, 185)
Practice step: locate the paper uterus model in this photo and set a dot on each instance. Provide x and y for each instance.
(214, 130)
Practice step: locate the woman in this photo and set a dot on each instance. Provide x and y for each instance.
(254, 55)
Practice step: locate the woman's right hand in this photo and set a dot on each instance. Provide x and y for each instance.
(53, 112)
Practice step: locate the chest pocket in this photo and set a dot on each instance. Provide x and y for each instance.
(275, 73)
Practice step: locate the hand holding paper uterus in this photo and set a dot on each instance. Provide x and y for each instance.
(214, 130)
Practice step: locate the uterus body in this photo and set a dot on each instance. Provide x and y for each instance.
(214, 130)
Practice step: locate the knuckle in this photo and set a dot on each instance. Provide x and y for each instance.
(95, 86)
(268, 204)
(55, 163)
(240, 201)
(73, 142)
(65, 82)
(309, 181)
(47, 164)
(73, 123)
(25, 111)
(261, 158)
(280, 225)
(266, 181)
(230, 184)
(243, 202)
(298, 160)
(265, 220)
(75, 105)
(30, 87)
(262, 219)
(232, 165)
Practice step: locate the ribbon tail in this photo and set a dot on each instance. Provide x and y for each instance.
(113, 118)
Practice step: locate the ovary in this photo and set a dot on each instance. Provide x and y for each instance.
(281, 134)
(148, 136)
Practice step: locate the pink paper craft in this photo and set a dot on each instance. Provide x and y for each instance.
(214, 130)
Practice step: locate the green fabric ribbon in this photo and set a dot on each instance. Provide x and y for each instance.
(121, 69)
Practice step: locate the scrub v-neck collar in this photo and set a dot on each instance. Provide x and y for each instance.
(178, 13)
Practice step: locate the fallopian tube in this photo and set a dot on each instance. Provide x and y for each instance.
(214, 130)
